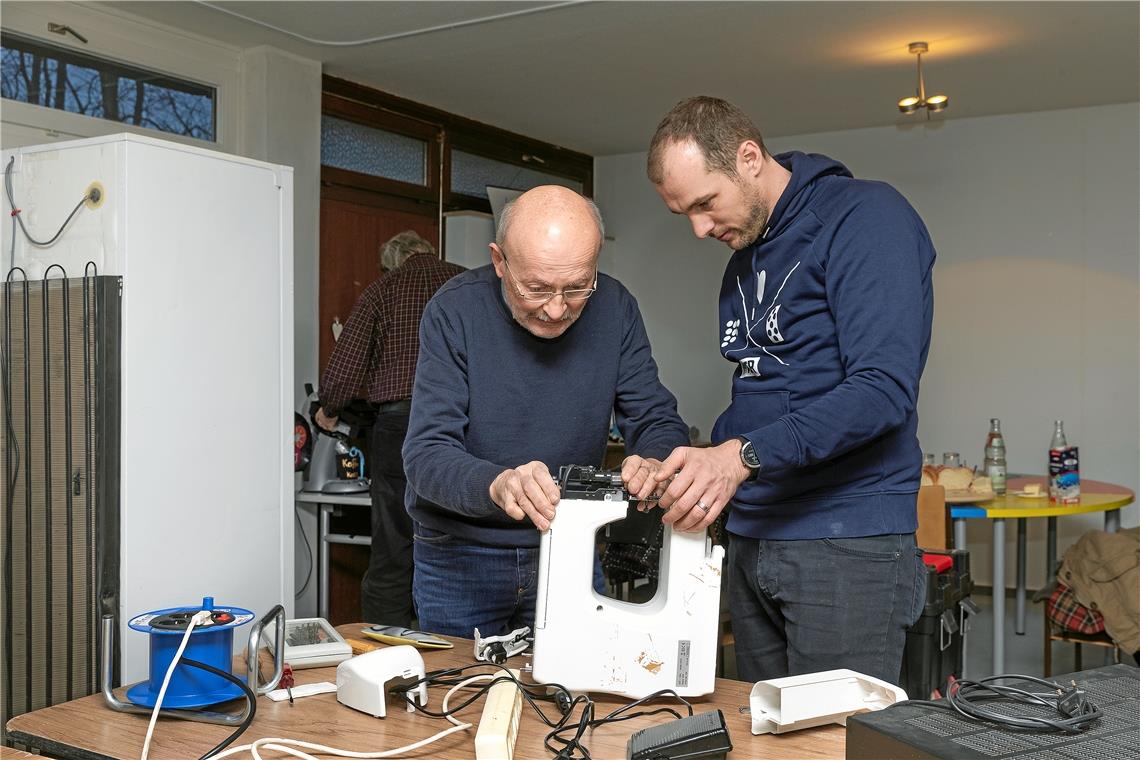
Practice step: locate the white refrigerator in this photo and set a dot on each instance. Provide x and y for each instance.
(202, 244)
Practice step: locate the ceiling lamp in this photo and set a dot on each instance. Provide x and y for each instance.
(919, 100)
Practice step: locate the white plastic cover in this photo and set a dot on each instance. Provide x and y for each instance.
(815, 699)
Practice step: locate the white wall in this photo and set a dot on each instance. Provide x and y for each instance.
(1037, 286)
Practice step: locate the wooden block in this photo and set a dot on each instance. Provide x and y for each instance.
(934, 530)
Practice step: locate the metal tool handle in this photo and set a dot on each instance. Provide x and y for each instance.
(251, 648)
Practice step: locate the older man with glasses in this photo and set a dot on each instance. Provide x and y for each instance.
(521, 364)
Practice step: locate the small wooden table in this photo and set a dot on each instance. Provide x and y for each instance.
(85, 729)
(1095, 497)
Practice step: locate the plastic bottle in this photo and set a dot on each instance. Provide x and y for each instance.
(995, 457)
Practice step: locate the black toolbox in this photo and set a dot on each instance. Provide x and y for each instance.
(935, 645)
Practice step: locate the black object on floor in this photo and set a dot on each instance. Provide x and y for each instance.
(935, 644)
(924, 732)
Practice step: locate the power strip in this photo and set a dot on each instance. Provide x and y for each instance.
(499, 725)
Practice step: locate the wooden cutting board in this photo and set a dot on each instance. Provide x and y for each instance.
(956, 496)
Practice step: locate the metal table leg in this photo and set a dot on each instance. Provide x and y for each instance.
(1050, 550)
(1112, 520)
(324, 511)
(960, 533)
(999, 596)
(1019, 615)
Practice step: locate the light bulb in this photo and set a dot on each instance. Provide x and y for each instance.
(908, 105)
(937, 102)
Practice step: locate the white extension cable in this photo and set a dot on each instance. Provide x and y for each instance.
(287, 745)
(199, 617)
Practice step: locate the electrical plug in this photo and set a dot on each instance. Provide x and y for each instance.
(1073, 701)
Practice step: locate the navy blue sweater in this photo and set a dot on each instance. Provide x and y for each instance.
(489, 396)
(827, 318)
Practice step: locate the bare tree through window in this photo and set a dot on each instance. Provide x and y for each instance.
(44, 75)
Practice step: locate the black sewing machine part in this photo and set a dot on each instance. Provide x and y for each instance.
(496, 649)
(583, 482)
(698, 736)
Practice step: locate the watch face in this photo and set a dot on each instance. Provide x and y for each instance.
(748, 455)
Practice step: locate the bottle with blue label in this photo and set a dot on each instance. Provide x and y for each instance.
(1064, 468)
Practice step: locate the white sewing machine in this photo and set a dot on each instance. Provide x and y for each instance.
(587, 642)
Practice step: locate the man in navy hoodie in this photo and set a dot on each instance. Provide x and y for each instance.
(825, 312)
(521, 364)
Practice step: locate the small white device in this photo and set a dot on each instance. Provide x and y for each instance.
(787, 704)
(588, 642)
(313, 643)
(360, 682)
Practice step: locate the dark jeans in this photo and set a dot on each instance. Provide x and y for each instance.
(805, 606)
(460, 586)
(386, 591)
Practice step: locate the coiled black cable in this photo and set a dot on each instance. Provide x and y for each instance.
(1076, 713)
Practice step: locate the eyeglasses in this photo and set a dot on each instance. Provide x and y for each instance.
(544, 296)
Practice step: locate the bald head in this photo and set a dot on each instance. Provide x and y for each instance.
(549, 206)
(547, 243)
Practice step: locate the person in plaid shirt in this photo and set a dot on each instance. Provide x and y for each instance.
(376, 357)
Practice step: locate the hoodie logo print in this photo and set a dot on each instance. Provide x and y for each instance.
(750, 366)
(772, 327)
(731, 330)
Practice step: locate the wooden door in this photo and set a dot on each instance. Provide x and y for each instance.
(354, 224)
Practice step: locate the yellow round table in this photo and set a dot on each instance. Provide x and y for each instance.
(1095, 497)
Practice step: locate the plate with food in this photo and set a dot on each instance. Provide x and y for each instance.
(961, 484)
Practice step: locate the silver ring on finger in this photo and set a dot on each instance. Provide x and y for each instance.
(702, 506)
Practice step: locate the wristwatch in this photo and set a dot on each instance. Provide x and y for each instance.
(748, 455)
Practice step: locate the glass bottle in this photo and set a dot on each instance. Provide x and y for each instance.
(995, 457)
(1057, 443)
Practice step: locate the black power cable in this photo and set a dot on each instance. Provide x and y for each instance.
(533, 693)
(1075, 712)
(249, 695)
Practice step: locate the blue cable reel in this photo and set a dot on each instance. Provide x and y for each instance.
(210, 643)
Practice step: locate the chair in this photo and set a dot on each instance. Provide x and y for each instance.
(934, 528)
(1060, 598)
(1102, 569)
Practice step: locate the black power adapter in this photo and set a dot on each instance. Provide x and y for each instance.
(697, 736)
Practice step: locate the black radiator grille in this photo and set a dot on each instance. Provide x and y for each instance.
(59, 391)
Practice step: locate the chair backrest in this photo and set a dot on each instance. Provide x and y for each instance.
(934, 530)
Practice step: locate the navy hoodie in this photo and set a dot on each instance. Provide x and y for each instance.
(827, 317)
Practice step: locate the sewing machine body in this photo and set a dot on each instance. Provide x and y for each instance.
(587, 642)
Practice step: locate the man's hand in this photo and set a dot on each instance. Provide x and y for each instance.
(325, 421)
(639, 476)
(704, 483)
(527, 491)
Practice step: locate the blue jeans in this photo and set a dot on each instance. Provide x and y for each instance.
(460, 586)
(805, 606)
